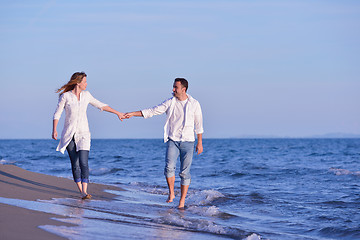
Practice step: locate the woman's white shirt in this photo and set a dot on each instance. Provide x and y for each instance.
(76, 123)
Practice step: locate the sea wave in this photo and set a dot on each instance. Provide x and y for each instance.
(339, 171)
(194, 197)
(349, 233)
(6, 162)
(308, 181)
(205, 211)
(204, 197)
(202, 225)
(253, 237)
(105, 171)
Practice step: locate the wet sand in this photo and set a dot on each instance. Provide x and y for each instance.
(17, 183)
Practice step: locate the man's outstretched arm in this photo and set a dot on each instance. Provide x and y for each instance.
(133, 114)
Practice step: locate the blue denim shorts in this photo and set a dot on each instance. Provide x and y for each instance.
(186, 151)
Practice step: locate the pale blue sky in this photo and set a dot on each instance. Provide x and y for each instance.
(279, 68)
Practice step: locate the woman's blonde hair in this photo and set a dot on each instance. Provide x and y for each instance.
(74, 80)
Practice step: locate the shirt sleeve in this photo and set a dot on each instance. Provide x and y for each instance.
(96, 103)
(198, 119)
(60, 107)
(157, 110)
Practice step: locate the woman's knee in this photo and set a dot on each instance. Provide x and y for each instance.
(83, 158)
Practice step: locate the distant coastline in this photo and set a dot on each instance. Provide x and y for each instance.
(327, 135)
(245, 136)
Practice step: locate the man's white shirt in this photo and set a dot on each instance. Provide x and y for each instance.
(183, 119)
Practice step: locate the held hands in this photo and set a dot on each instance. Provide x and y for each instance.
(121, 116)
(128, 115)
(134, 114)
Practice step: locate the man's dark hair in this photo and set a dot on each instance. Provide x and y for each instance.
(183, 82)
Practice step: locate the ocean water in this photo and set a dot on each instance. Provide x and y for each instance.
(241, 189)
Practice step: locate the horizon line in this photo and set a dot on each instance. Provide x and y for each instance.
(252, 137)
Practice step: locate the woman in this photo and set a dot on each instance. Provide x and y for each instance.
(75, 137)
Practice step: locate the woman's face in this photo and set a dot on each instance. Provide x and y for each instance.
(82, 85)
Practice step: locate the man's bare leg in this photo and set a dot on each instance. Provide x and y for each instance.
(184, 190)
(171, 182)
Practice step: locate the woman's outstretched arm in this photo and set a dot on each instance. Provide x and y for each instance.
(111, 110)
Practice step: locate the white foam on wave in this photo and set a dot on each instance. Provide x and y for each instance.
(206, 225)
(205, 211)
(194, 224)
(198, 204)
(253, 237)
(5, 162)
(204, 197)
(339, 171)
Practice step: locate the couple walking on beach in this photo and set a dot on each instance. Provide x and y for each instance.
(184, 120)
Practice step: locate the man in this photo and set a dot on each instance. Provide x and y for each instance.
(184, 117)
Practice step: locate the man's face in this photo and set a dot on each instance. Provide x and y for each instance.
(178, 90)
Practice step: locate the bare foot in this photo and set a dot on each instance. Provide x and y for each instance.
(181, 204)
(170, 199)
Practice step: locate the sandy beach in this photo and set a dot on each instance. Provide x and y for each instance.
(17, 183)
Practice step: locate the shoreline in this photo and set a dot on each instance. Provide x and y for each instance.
(18, 183)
